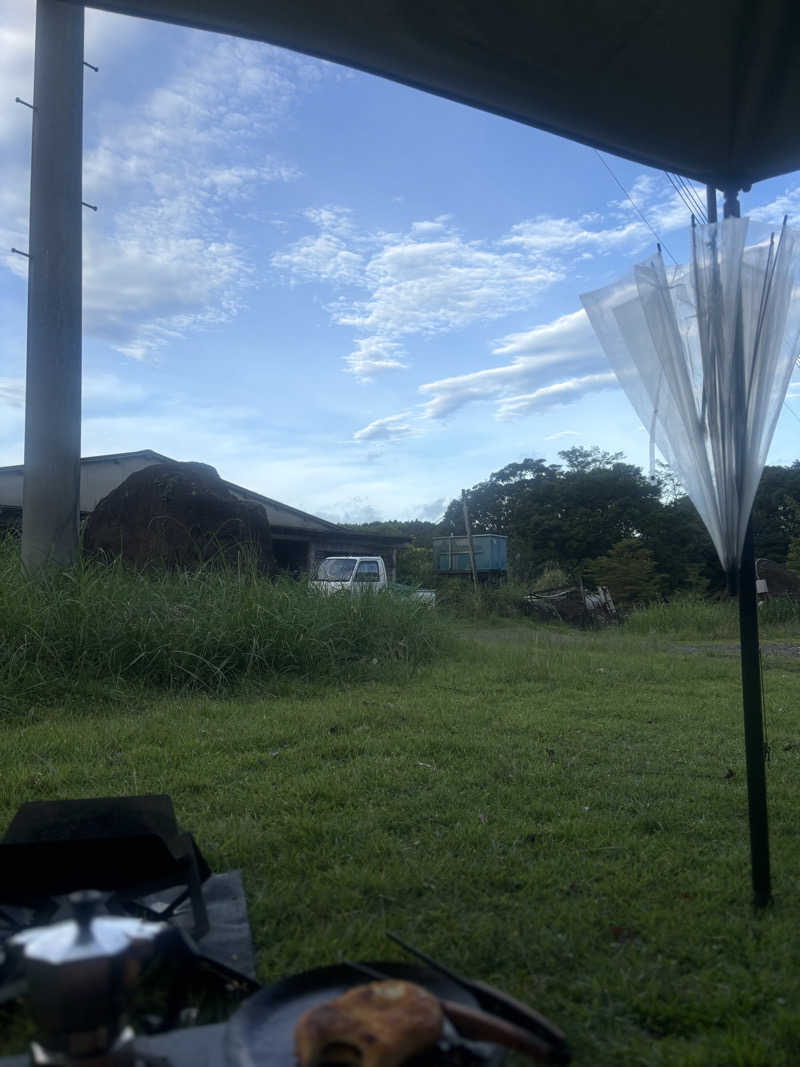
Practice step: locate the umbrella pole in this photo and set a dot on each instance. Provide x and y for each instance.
(750, 654)
(753, 723)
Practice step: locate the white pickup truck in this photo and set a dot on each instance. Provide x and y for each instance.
(358, 574)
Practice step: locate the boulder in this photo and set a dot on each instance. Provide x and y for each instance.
(179, 516)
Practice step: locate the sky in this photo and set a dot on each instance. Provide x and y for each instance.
(342, 293)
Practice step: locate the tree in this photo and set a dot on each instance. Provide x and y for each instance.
(415, 566)
(776, 511)
(558, 515)
(422, 532)
(580, 514)
(793, 558)
(629, 571)
(492, 503)
(578, 511)
(582, 460)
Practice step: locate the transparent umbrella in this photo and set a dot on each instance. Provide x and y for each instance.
(705, 353)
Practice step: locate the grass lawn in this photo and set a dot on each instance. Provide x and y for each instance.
(561, 814)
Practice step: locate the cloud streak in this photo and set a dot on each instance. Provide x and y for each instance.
(537, 356)
(391, 428)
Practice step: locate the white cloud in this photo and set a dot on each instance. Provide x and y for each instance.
(172, 168)
(532, 382)
(331, 219)
(372, 356)
(427, 287)
(161, 258)
(323, 257)
(557, 393)
(429, 229)
(537, 356)
(433, 510)
(788, 203)
(433, 280)
(424, 282)
(12, 392)
(545, 236)
(391, 428)
(562, 434)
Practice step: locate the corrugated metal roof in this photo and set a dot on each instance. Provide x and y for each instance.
(280, 515)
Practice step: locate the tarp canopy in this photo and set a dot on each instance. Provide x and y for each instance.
(706, 88)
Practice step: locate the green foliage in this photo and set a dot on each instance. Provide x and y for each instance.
(776, 512)
(582, 460)
(554, 514)
(458, 599)
(210, 630)
(628, 569)
(551, 577)
(415, 566)
(793, 555)
(420, 531)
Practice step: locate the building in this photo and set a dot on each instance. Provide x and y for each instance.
(298, 539)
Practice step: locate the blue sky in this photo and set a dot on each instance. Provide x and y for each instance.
(342, 293)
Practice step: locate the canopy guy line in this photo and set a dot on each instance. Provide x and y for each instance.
(636, 207)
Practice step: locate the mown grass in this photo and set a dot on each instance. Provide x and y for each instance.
(562, 814)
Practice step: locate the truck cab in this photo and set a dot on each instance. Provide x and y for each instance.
(356, 574)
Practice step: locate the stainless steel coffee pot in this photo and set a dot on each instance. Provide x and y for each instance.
(81, 974)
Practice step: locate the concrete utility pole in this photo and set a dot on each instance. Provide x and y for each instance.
(51, 494)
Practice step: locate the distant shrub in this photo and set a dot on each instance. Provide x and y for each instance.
(552, 576)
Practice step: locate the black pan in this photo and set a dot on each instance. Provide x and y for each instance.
(261, 1032)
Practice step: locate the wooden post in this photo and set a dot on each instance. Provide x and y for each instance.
(468, 530)
(51, 491)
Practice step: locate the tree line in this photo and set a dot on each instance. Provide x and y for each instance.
(595, 515)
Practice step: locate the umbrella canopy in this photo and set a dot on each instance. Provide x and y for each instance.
(707, 88)
(705, 353)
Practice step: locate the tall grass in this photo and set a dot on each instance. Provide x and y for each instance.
(457, 598)
(694, 618)
(206, 630)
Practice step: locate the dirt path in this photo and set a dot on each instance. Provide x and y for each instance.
(768, 648)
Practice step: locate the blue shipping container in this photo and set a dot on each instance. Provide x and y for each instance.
(452, 553)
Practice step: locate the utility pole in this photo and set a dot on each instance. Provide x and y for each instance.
(51, 493)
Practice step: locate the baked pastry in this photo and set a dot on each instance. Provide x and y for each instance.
(380, 1024)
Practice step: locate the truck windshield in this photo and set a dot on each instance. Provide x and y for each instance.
(335, 570)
